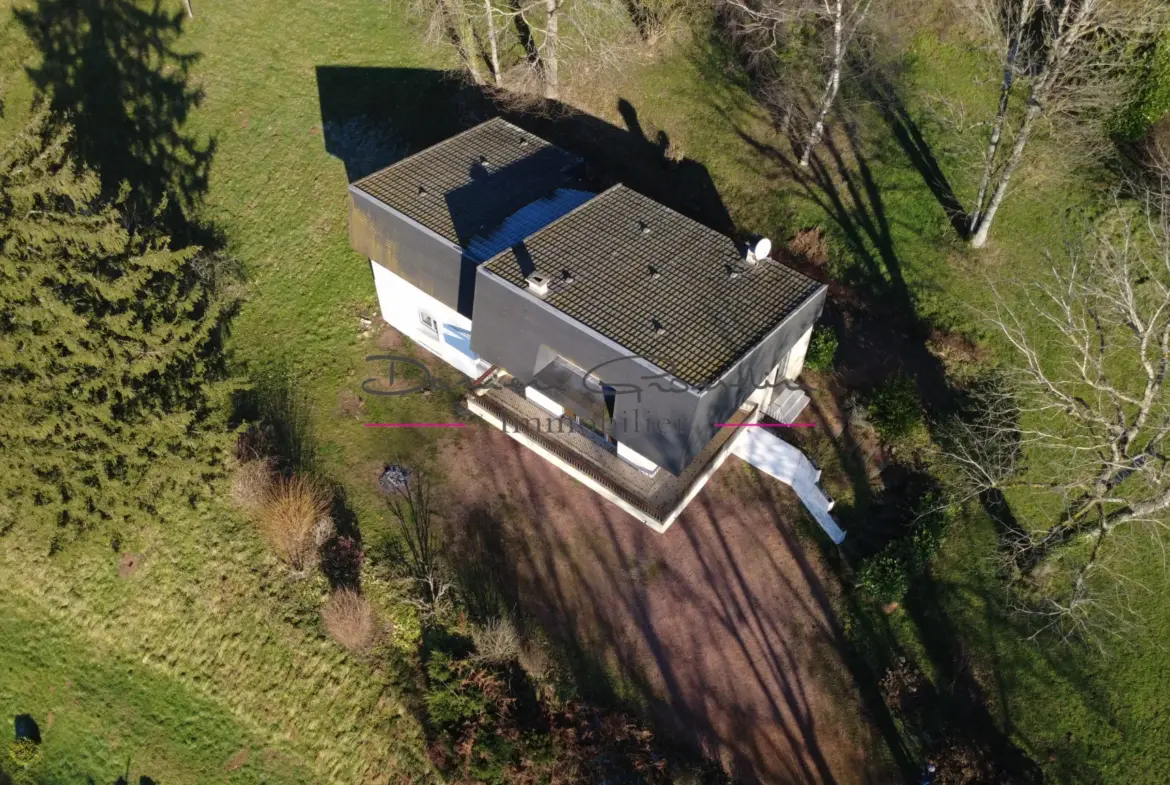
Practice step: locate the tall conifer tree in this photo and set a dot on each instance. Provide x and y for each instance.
(112, 385)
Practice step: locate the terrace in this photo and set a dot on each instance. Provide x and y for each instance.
(659, 496)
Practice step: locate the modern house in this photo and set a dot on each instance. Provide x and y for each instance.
(620, 340)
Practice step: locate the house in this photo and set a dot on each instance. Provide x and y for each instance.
(620, 340)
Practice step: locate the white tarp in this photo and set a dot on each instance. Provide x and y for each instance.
(772, 455)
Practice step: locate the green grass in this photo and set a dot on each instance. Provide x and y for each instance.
(208, 649)
(1084, 714)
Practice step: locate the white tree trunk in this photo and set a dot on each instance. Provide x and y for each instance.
(459, 27)
(548, 53)
(996, 134)
(187, 5)
(831, 87)
(492, 45)
(983, 227)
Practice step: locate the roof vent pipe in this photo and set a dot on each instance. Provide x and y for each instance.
(758, 250)
(537, 284)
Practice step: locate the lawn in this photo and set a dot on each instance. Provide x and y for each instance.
(206, 664)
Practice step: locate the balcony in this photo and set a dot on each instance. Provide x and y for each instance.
(657, 497)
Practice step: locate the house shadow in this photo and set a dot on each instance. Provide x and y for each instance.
(373, 117)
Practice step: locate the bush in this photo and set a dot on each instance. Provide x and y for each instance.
(349, 619)
(25, 753)
(470, 705)
(341, 561)
(497, 641)
(251, 485)
(886, 576)
(822, 348)
(1150, 100)
(894, 409)
(290, 517)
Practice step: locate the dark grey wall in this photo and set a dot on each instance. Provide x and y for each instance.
(654, 414)
(430, 262)
(720, 401)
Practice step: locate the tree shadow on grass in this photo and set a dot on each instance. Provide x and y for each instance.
(907, 133)
(881, 331)
(278, 422)
(114, 69)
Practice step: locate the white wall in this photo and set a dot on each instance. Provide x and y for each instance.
(636, 459)
(796, 355)
(544, 402)
(402, 303)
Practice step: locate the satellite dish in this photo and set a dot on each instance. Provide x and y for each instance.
(762, 248)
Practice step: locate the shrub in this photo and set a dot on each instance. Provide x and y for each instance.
(341, 561)
(1150, 99)
(251, 485)
(290, 517)
(883, 576)
(886, 576)
(471, 706)
(349, 619)
(894, 409)
(822, 348)
(25, 753)
(497, 641)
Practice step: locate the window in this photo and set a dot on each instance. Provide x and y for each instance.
(429, 323)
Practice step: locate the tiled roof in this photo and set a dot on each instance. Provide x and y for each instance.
(468, 184)
(662, 286)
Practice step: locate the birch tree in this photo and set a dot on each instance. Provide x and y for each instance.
(522, 42)
(451, 22)
(1060, 60)
(489, 16)
(1078, 432)
(765, 27)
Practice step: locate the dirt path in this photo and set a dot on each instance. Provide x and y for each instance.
(722, 625)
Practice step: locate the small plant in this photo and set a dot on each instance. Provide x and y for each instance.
(25, 753)
(290, 517)
(822, 349)
(497, 641)
(349, 619)
(251, 485)
(471, 705)
(886, 576)
(341, 561)
(894, 409)
(1149, 99)
(883, 577)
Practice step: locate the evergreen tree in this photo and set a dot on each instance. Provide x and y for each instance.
(112, 383)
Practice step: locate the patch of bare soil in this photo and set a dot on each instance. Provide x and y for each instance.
(723, 625)
(238, 760)
(129, 564)
(349, 404)
(387, 337)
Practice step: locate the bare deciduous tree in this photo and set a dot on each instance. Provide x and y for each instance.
(411, 507)
(1079, 429)
(1064, 60)
(765, 26)
(450, 22)
(544, 32)
(489, 15)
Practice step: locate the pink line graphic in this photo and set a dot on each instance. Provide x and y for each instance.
(416, 425)
(765, 425)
